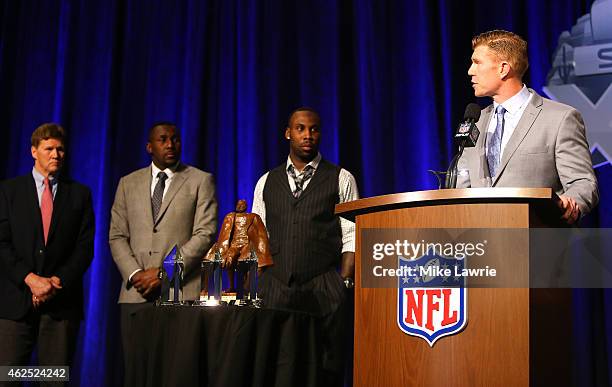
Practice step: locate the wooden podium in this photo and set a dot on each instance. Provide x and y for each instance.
(514, 336)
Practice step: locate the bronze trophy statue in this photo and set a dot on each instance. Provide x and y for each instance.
(243, 250)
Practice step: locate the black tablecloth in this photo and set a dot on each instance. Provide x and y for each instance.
(226, 346)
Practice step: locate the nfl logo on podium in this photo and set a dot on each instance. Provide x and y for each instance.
(432, 300)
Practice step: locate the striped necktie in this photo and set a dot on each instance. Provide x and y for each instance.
(158, 194)
(300, 179)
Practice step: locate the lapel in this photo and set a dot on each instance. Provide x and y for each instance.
(476, 163)
(144, 191)
(179, 178)
(59, 204)
(320, 176)
(35, 207)
(522, 128)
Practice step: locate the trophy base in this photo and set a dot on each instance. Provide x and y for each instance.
(209, 302)
(242, 302)
(171, 303)
(256, 303)
(228, 297)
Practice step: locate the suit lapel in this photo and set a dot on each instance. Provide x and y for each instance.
(522, 128)
(59, 202)
(178, 180)
(144, 191)
(35, 207)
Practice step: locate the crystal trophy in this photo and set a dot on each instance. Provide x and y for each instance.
(246, 288)
(212, 278)
(172, 274)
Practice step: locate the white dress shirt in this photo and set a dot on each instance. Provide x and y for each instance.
(155, 171)
(40, 185)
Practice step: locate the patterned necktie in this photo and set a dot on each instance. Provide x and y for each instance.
(494, 151)
(299, 180)
(158, 194)
(46, 207)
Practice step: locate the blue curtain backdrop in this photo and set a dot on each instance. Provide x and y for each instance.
(388, 77)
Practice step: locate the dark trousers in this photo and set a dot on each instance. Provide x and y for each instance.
(54, 339)
(325, 297)
(134, 345)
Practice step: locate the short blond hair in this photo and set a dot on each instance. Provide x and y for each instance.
(47, 131)
(506, 46)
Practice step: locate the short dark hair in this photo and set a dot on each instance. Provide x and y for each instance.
(302, 109)
(507, 46)
(161, 123)
(47, 131)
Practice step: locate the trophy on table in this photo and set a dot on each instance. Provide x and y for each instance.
(212, 279)
(172, 275)
(243, 250)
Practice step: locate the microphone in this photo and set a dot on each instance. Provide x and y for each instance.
(466, 136)
(467, 132)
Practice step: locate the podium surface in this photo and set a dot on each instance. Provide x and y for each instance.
(507, 336)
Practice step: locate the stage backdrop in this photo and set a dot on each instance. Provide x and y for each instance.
(389, 79)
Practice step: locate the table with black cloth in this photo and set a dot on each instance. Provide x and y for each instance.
(226, 346)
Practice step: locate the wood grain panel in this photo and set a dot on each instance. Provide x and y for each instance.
(493, 349)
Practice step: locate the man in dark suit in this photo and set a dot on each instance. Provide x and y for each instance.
(46, 244)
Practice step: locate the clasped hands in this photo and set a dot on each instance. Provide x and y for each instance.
(147, 282)
(43, 288)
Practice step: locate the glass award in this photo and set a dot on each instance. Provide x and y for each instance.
(172, 276)
(246, 287)
(212, 279)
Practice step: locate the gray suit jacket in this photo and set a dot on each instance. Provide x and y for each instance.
(547, 149)
(187, 218)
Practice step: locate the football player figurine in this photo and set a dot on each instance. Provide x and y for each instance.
(242, 237)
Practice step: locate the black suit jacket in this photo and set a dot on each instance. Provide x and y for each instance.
(67, 255)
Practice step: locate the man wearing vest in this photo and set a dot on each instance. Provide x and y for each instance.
(308, 242)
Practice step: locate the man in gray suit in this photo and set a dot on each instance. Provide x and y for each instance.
(165, 204)
(526, 140)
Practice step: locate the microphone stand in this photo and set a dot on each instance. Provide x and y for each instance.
(451, 172)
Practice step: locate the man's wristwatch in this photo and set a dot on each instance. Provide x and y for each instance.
(349, 283)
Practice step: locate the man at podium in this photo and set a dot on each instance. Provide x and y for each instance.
(526, 140)
(308, 241)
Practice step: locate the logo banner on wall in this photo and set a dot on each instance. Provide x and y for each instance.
(581, 76)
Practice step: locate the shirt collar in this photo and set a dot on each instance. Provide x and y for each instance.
(170, 171)
(39, 178)
(514, 104)
(314, 163)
